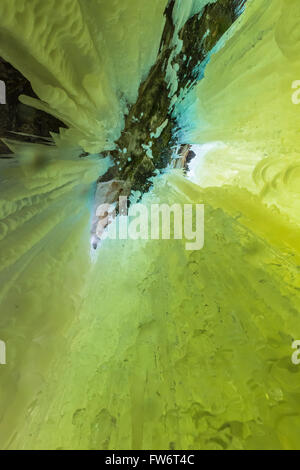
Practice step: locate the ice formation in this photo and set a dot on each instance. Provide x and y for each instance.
(152, 346)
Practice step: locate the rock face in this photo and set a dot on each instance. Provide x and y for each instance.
(149, 136)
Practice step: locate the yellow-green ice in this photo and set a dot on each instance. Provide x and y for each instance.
(152, 346)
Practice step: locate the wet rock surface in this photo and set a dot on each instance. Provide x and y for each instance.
(153, 109)
(149, 136)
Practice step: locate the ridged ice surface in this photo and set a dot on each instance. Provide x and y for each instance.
(85, 60)
(152, 346)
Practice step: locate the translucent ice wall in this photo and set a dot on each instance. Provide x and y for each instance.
(248, 102)
(153, 346)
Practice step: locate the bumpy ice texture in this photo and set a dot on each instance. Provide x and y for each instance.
(153, 346)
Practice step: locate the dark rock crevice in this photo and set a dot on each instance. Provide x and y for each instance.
(153, 106)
